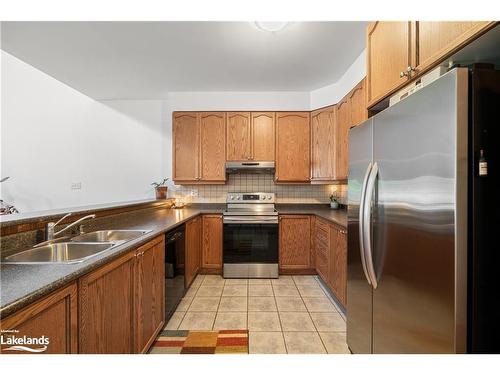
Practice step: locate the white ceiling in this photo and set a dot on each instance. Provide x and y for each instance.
(146, 60)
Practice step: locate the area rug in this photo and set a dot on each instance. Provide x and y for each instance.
(201, 342)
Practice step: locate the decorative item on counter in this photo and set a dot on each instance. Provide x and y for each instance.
(334, 203)
(179, 203)
(161, 189)
(5, 208)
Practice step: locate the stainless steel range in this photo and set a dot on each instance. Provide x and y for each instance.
(250, 236)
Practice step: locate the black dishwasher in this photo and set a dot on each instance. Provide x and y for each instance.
(174, 270)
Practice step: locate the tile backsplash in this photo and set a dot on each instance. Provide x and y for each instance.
(258, 183)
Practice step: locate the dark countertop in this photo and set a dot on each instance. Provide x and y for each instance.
(22, 284)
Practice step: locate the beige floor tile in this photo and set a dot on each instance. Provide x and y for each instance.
(184, 304)
(236, 282)
(290, 304)
(328, 322)
(259, 281)
(198, 321)
(191, 292)
(285, 291)
(283, 280)
(233, 304)
(213, 280)
(204, 304)
(231, 320)
(266, 343)
(307, 290)
(198, 280)
(263, 321)
(175, 320)
(235, 291)
(305, 280)
(260, 290)
(209, 291)
(303, 343)
(261, 304)
(319, 304)
(296, 321)
(335, 342)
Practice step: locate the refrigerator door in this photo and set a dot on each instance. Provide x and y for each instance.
(419, 218)
(359, 291)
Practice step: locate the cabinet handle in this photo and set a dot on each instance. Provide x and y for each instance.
(403, 74)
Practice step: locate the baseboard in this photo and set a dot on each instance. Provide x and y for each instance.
(299, 271)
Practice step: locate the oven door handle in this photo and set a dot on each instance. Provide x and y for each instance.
(245, 220)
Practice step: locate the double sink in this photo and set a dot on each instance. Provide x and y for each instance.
(77, 249)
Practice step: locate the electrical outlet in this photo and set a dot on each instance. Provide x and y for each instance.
(76, 185)
(194, 193)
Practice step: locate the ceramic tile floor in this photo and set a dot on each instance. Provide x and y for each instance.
(292, 314)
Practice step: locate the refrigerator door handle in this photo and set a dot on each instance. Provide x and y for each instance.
(361, 222)
(367, 212)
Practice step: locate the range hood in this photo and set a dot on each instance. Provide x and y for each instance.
(250, 167)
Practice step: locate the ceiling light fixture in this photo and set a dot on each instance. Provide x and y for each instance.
(271, 26)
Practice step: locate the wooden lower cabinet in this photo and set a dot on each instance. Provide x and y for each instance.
(149, 293)
(338, 263)
(211, 260)
(193, 249)
(295, 244)
(321, 240)
(54, 316)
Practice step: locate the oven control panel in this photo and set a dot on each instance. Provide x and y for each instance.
(250, 197)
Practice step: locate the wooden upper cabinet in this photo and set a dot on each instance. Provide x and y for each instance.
(186, 146)
(238, 136)
(293, 144)
(437, 39)
(212, 242)
(388, 55)
(357, 102)
(342, 126)
(295, 242)
(54, 316)
(263, 136)
(323, 144)
(213, 146)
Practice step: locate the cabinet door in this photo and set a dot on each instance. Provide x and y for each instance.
(186, 146)
(193, 247)
(293, 147)
(295, 242)
(338, 263)
(263, 140)
(323, 144)
(54, 316)
(342, 125)
(238, 136)
(435, 39)
(106, 323)
(150, 292)
(213, 146)
(388, 54)
(322, 248)
(212, 242)
(357, 104)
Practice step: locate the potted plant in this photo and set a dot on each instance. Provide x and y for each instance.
(334, 203)
(161, 189)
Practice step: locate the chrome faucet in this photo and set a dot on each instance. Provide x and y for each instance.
(49, 230)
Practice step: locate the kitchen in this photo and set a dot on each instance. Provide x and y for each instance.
(223, 205)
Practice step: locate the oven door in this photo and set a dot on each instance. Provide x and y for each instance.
(250, 241)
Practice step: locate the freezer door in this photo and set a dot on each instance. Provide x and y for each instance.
(359, 291)
(419, 221)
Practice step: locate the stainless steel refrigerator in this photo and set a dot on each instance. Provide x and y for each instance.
(407, 224)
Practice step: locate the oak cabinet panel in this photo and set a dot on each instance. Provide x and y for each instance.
(238, 136)
(357, 103)
(338, 263)
(321, 242)
(341, 134)
(54, 316)
(106, 308)
(323, 144)
(150, 292)
(212, 242)
(294, 242)
(213, 146)
(193, 249)
(186, 145)
(263, 136)
(293, 147)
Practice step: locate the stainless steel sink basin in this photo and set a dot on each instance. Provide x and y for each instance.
(110, 235)
(62, 252)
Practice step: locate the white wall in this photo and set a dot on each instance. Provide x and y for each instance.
(331, 94)
(52, 136)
